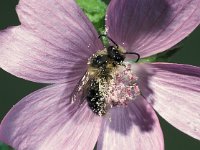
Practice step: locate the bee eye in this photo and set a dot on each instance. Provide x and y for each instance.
(114, 54)
(99, 61)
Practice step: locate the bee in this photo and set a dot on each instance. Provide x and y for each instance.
(100, 67)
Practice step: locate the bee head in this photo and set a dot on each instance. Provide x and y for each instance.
(115, 54)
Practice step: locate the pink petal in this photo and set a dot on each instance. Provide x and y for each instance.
(53, 43)
(174, 91)
(134, 127)
(46, 119)
(151, 26)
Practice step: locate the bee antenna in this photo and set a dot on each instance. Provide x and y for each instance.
(109, 39)
(138, 55)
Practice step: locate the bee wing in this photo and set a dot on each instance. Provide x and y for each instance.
(80, 90)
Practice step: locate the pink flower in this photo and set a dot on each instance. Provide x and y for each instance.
(53, 44)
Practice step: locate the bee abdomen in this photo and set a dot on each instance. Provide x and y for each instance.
(96, 102)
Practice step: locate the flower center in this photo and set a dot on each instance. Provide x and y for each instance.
(122, 88)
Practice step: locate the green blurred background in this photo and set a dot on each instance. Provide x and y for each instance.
(12, 89)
